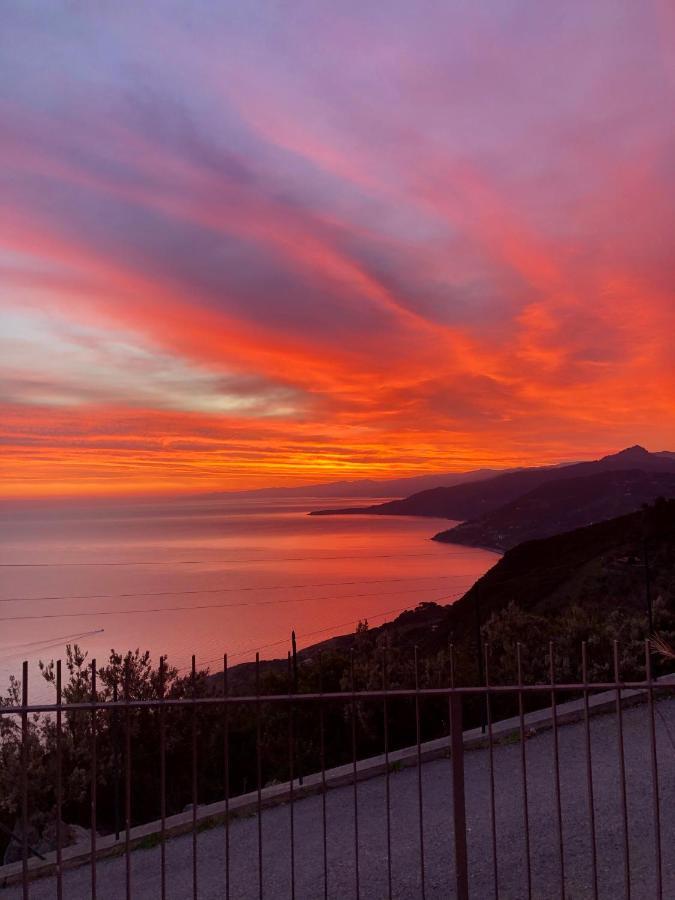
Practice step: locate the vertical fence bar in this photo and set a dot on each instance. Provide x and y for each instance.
(458, 796)
(258, 741)
(556, 769)
(655, 773)
(116, 761)
(451, 661)
(387, 786)
(93, 782)
(294, 656)
(622, 775)
(354, 777)
(162, 778)
(127, 776)
(491, 768)
(589, 769)
(451, 675)
(226, 771)
(193, 691)
(24, 782)
(291, 772)
(322, 753)
(420, 801)
(523, 769)
(59, 786)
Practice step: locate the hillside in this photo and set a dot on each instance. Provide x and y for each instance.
(558, 506)
(599, 567)
(474, 499)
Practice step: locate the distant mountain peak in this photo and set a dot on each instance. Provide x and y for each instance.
(634, 452)
(474, 500)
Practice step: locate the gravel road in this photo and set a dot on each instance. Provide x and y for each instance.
(438, 830)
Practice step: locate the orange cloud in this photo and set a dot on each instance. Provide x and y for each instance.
(353, 244)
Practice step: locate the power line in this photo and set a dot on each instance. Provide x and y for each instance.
(195, 562)
(232, 590)
(352, 622)
(158, 609)
(46, 644)
(306, 634)
(62, 637)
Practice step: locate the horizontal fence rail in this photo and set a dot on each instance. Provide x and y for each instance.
(224, 747)
(341, 696)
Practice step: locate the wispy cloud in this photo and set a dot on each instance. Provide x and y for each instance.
(246, 244)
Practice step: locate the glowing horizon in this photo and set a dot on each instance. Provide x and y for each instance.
(253, 247)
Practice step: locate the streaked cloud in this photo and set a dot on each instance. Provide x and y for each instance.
(247, 244)
(56, 362)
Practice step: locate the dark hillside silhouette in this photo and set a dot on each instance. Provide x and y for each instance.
(600, 568)
(559, 506)
(471, 500)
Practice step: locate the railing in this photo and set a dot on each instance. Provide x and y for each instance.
(112, 723)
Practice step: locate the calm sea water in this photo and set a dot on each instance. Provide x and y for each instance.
(209, 576)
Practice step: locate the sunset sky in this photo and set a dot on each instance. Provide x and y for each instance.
(268, 243)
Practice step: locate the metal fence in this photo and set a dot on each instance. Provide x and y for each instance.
(119, 713)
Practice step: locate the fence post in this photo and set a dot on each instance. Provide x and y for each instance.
(458, 798)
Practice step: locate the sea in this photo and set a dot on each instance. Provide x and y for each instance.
(208, 576)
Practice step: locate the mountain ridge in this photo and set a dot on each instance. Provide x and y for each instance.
(559, 506)
(471, 500)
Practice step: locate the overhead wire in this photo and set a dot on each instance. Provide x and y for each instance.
(307, 634)
(61, 637)
(231, 590)
(282, 641)
(46, 644)
(191, 607)
(194, 562)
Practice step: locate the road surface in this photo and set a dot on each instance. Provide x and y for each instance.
(438, 830)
